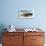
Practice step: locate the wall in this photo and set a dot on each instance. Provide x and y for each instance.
(9, 11)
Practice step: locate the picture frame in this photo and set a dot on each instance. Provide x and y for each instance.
(23, 13)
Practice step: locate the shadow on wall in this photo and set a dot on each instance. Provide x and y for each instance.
(2, 26)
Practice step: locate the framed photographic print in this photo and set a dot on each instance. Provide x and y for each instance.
(25, 13)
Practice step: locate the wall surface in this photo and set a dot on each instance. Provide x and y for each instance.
(9, 12)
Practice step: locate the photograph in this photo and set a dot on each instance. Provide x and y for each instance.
(25, 13)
